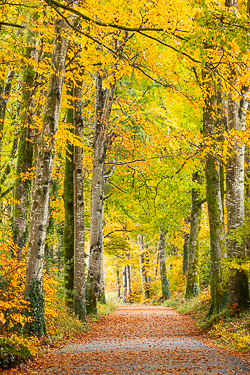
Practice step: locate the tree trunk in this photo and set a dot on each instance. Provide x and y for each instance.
(68, 198)
(118, 282)
(124, 284)
(101, 291)
(193, 248)
(247, 199)
(163, 273)
(79, 257)
(104, 100)
(43, 178)
(214, 186)
(145, 290)
(25, 155)
(128, 275)
(5, 93)
(185, 249)
(237, 107)
(238, 283)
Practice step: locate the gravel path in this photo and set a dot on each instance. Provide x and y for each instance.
(140, 340)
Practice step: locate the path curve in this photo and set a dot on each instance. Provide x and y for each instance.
(140, 340)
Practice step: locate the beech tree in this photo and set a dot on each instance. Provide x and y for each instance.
(44, 165)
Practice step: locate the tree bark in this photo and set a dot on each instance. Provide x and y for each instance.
(247, 200)
(104, 100)
(101, 292)
(5, 93)
(79, 233)
(185, 249)
(214, 185)
(238, 282)
(25, 155)
(118, 282)
(194, 247)
(124, 284)
(163, 273)
(43, 177)
(68, 198)
(143, 273)
(128, 276)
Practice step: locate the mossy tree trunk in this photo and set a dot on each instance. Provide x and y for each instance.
(163, 272)
(43, 176)
(4, 97)
(104, 100)
(68, 198)
(185, 248)
(213, 128)
(79, 231)
(25, 154)
(194, 246)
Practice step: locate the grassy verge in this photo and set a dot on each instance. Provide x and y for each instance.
(228, 329)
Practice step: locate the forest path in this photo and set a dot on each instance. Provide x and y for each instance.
(140, 340)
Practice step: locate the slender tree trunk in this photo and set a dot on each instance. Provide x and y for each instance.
(124, 284)
(163, 273)
(104, 100)
(128, 275)
(145, 290)
(68, 198)
(79, 255)
(194, 246)
(25, 155)
(238, 282)
(4, 97)
(247, 199)
(118, 282)
(101, 291)
(214, 186)
(185, 249)
(43, 178)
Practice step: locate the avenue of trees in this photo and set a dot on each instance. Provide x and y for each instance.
(124, 141)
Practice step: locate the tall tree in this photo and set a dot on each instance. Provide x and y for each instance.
(237, 106)
(43, 177)
(103, 105)
(68, 198)
(144, 284)
(194, 246)
(163, 273)
(25, 150)
(79, 233)
(213, 128)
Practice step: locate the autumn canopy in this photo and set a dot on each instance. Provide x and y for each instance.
(124, 156)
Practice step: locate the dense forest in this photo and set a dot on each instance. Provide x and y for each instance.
(124, 157)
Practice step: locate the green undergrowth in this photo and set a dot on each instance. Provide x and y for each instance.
(228, 329)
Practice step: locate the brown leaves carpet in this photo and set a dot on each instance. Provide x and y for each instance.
(139, 340)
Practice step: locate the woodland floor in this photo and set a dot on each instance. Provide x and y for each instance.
(139, 340)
